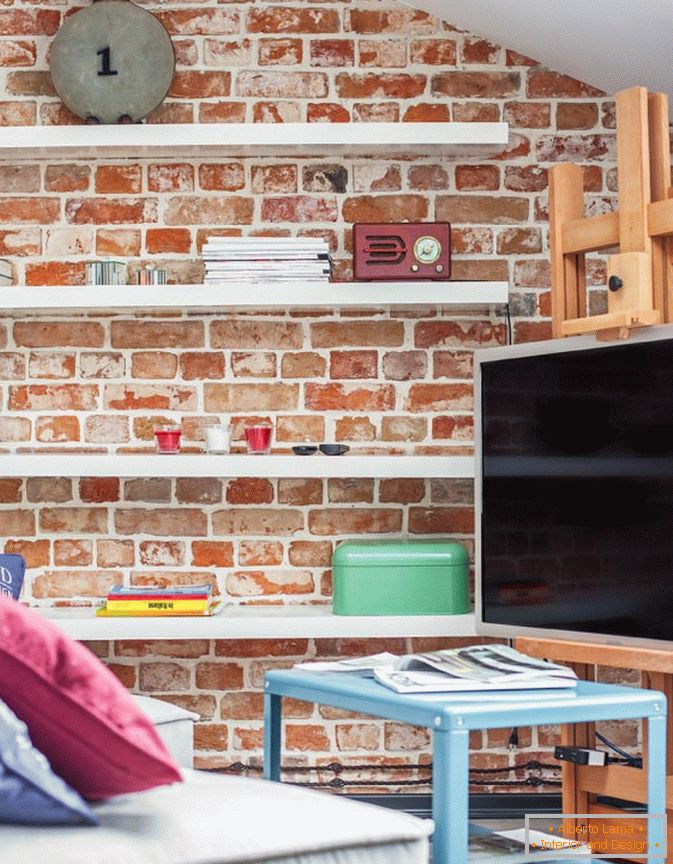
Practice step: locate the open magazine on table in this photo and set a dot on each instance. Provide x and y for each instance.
(473, 668)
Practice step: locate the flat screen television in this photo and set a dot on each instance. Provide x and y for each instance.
(574, 490)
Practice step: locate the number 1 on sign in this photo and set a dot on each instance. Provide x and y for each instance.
(104, 54)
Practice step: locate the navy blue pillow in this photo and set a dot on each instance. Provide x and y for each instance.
(12, 571)
(30, 792)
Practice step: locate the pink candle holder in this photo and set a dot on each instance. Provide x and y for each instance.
(167, 438)
(258, 438)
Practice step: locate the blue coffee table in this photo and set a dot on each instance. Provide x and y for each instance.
(451, 717)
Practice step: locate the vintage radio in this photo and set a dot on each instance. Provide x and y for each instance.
(400, 251)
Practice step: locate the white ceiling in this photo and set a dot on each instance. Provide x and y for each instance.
(611, 44)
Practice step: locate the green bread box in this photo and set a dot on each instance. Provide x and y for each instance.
(400, 577)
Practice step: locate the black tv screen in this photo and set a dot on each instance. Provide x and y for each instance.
(576, 490)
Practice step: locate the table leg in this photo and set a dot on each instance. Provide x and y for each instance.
(656, 787)
(272, 718)
(450, 783)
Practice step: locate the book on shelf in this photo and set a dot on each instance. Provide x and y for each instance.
(473, 668)
(153, 592)
(153, 601)
(213, 608)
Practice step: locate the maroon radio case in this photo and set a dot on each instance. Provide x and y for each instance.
(401, 251)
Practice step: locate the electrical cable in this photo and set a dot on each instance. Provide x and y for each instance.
(632, 761)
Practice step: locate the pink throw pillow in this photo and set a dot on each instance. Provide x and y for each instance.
(78, 714)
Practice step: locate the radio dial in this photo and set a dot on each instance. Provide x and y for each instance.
(427, 249)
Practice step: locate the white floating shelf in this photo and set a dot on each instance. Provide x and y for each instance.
(208, 140)
(259, 622)
(207, 465)
(211, 298)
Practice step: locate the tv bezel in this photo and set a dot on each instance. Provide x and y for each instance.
(536, 349)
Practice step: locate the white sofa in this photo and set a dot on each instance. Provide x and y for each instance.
(217, 819)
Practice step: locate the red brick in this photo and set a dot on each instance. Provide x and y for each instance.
(73, 553)
(404, 365)
(383, 53)
(332, 52)
(459, 428)
(354, 520)
(518, 241)
(439, 334)
(299, 208)
(55, 490)
(118, 179)
(476, 85)
(237, 333)
(40, 22)
(45, 364)
(227, 398)
(98, 489)
(403, 428)
(310, 553)
(357, 736)
(326, 112)
(20, 52)
(303, 365)
(235, 52)
(155, 490)
(354, 429)
(162, 522)
(13, 367)
(283, 85)
(476, 112)
(576, 115)
(226, 177)
(260, 553)
(276, 112)
(74, 583)
(256, 583)
(162, 553)
(543, 84)
(195, 210)
(101, 429)
(401, 736)
(426, 177)
(280, 52)
(404, 491)
(479, 51)
(353, 364)
(19, 178)
(479, 209)
(222, 112)
(17, 114)
(35, 552)
(120, 241)
(168, 240)
(475, 177)
(20, 242)
(532, 331)
(284, 19)
(55, 397)
(385, 208)
(10, 490)
(439, 397)
(202, 21)
(528, 115)
(115, 553)
(274, 178)
(350, 491)
(56, 273)
(173, 177)
(249, 490)
(74, 520)
(39, 211)
(163, 676)
(200, 85)
(427, 112)
(257, 364)
(161, 397)
(336, 397)
(257, 521)
(211, 736)
(300, 428)
(337, 334)
(197, 366)
(306, 737)
(396, 20)
(154, 364)
(212, 553)
(433, 52)
(379, 85)
(525, 178)
(113, 211)
(441, 520)
(300, 491)
(157, 334)
(14, 429)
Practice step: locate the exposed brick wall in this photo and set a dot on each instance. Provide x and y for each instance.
(396, 381)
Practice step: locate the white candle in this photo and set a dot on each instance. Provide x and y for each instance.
(218, 438)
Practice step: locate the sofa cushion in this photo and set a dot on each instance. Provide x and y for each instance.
(219, 819)
(174, 725)
(30, 792)
(78, 714)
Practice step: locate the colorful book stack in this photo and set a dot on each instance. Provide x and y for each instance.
(157, 602)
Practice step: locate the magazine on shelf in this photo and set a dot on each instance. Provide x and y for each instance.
(473, 668)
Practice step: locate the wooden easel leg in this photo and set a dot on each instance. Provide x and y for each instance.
(566, 202)
(660, 182)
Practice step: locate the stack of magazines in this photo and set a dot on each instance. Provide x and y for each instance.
(187, 600)
(475, 668)
(267, 259)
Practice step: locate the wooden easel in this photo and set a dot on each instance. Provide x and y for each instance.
(640, 277)
(583, 784)
(640, 283)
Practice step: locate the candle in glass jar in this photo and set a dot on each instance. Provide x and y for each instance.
(258, 438)
(218, 439)
(167, 438)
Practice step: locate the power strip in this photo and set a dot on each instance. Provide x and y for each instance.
(581, 756)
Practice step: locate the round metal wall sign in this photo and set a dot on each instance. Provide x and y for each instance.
(112, 60)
